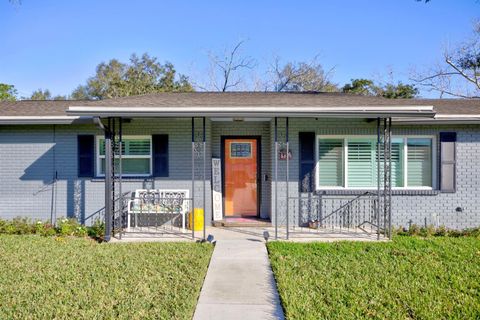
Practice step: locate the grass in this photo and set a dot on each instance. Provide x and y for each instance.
(408, 278)
(72, 278)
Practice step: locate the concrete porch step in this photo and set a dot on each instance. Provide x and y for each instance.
(242, 222)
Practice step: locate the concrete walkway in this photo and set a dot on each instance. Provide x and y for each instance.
(239, 283)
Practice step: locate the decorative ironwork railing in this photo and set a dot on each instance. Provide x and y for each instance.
(359, 213)
(151, 211)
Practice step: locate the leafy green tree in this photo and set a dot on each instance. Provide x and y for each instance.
(41, 94)
(142, 75)
(399, 91)
(364, 87)
(8, 92)
(80, 93)
(368, 87)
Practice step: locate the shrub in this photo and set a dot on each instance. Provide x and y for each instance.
(45, 229)
(71, 227)
(20, 226)
(427, 231)
(414, 230)
(441, 231)
(65, 227)
(97, 230)
(473, 232)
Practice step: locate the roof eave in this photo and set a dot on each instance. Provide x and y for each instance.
(42, 120)
(257, 111)
(441, 119)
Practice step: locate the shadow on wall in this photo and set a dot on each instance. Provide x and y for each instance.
(64, 192)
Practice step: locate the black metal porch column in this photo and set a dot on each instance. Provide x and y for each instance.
(120, 173)
(288, 168)
(390, 180)
(108, 182)
(378, 179)
(204, 178)
(193, 179)
(275, 156)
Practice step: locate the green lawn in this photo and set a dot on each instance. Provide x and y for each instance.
(71, 278)
(409, 278)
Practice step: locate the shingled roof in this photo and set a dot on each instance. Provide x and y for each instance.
(31, 108)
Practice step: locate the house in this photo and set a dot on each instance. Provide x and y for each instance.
(54, 161)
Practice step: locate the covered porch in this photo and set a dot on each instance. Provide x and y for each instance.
(288, 203)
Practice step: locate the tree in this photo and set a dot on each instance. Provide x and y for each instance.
(8, 92)
(226, 69)
(41, 94)
(459, 74)
(367, 87)
(142, 75)
(301, 76)
(80, 93)
(399, 91)
(364, 87)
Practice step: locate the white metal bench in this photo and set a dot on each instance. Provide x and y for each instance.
(159, 201)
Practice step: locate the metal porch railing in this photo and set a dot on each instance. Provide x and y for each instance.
(151, 214)
(336, 213)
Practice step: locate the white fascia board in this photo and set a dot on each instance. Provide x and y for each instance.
(256, 111)
(16, 120)
(441, 119)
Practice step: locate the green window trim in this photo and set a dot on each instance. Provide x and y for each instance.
(355, 166)
(136, 156)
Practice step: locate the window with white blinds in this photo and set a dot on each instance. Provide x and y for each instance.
(136, 156)
(419, 162)
(351, 162)
(330, 162)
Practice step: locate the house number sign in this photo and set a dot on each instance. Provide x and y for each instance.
(283, 154)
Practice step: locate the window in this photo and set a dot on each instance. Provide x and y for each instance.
(136, 156)
(330, 162)
(351, 162)
(241, 150)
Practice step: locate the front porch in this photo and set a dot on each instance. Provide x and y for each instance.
(281, 189)
(256, 234)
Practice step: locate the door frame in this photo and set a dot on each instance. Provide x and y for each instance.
(259, 169)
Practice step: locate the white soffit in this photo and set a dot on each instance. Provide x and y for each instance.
(254, 111)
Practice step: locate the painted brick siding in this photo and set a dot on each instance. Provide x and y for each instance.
(29, 163)
(432, 207)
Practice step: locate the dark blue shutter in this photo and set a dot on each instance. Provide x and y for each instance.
(160, 155)
(307, 160)
(448, 161)
(86, 155)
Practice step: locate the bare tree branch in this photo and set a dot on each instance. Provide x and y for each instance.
(301, 76)
(459, 72)
(225, 73)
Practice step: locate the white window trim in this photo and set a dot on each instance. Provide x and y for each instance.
(98, 157)
(345, 161)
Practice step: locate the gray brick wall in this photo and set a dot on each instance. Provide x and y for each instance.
(31, 156)
(432, 207)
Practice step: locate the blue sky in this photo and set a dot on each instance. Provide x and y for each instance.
(56, 44)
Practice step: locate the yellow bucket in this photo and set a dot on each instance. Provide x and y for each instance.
(198, 212)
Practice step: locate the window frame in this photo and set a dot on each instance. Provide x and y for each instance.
(404, 139)
(98, 157)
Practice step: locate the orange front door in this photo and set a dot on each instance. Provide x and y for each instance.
(241, 177)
